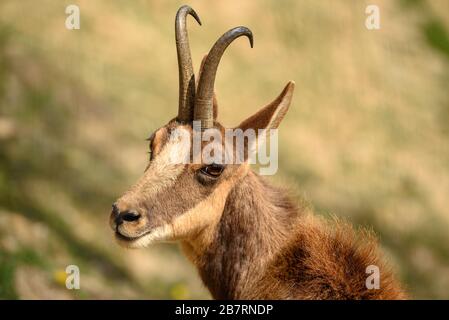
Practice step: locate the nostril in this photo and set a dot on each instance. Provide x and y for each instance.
(130, 216)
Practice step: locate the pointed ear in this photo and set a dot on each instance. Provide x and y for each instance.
(215, 104)
(270, 116)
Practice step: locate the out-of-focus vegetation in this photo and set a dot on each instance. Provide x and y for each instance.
(367, 137)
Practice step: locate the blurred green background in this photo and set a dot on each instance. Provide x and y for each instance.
(366, 138)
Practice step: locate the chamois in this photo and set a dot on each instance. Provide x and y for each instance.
(247, 238)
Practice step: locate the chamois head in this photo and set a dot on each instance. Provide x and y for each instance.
(182, 193)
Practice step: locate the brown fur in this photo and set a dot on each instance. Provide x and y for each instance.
(266, 248)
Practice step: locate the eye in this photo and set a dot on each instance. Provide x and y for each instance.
(213, 170)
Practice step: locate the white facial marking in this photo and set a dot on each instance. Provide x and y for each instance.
(164, 169)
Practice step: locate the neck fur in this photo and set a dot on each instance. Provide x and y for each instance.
(254, 225)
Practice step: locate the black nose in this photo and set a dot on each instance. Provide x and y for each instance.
(121, 216)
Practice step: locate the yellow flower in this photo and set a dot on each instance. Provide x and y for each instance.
(59, 276)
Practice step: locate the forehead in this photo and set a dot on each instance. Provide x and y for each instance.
(161, 136)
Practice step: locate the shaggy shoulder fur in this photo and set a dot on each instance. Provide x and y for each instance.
(326, 261)
(267, 248)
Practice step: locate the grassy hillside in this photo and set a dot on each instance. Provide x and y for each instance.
(367, 136)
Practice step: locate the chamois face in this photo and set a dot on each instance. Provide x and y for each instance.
(173, 200)
(182, 193)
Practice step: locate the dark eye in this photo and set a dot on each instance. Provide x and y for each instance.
(213, 170)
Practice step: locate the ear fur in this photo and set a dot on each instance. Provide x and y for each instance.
(270, 116)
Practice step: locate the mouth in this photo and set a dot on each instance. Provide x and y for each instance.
(159, 234)
(122, 237)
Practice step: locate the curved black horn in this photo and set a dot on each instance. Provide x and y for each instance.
(186, 75)
(205, 92)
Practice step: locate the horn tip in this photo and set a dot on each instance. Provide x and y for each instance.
(247, 32)
(195, 15)
(251, 38)
(186, 9)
